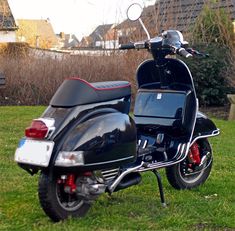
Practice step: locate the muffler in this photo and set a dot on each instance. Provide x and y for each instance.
(133, 178)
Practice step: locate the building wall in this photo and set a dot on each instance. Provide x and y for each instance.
(110, 44)
(7, 36)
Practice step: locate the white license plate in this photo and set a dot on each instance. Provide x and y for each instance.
(34, 152)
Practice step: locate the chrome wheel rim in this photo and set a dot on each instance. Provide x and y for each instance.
(69, 202)
(189, 178)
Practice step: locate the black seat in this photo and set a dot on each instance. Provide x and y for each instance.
(110, 85)
(76, 91)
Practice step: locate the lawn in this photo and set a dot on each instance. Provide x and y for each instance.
(210, 207)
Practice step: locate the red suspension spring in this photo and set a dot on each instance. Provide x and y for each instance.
(195, 153)
(70, 182)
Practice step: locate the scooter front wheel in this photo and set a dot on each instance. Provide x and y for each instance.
(188, 174)
(57, 202)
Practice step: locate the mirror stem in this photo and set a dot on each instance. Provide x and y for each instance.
(145, 29)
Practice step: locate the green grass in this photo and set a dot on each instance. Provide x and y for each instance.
(210, 207)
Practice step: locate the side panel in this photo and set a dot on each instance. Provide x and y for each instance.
(64, 116)
(105, 139)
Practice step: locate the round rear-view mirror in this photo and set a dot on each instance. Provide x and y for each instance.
(134, 11)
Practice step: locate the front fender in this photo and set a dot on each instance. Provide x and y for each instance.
(204, 127)
(104, 140)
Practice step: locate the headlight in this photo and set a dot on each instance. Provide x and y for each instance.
(69, 159)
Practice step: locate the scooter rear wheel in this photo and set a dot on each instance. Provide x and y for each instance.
(185, 174)
(57, 203)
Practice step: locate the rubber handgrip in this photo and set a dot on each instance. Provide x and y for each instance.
(184, 53)
(127, 46)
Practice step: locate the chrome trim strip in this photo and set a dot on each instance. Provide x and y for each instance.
(50, 122)
(107, 162)
(112, 187)
(111, 170)
(214, 133)
(181, 157)
(145, 144)
(182, 149)
(109, 178)
(195, 119)
(197, 102)
(178, 149)
(109, 174)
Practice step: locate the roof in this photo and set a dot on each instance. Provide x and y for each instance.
(67, 40)
(181, 14)
(176, 14)
(99, 33)
(7, 21)
(42, 29)
(85, 42)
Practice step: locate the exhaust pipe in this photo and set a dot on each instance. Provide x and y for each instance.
(112, 187)
(133, 178)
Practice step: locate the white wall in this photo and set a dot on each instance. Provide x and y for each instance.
(110, 44)
(7, 36)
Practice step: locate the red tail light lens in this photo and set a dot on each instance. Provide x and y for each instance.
(37, 130)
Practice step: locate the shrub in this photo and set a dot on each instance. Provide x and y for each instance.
(33, 81)
(210, 75)
(213, 76)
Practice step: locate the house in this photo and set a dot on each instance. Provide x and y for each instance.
(111, 38)
(169, 14)
(132, 30)
(37, 33)
(104, 36)
(128, 30)
(182, 14)
(85, 42)
(8, 25)
(67, 41)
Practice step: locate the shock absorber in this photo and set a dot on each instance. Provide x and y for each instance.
(195, 154)
(70, 185)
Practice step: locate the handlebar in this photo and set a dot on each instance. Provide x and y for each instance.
(127, 46)
(137, 45)
(197, 53)
(186, 53)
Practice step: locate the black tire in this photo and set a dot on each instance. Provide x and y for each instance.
(52, 200)
(177, 177)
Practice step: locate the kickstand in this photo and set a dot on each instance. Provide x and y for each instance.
(159, 181)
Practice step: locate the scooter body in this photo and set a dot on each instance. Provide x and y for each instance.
(86, 143)
(104, 133)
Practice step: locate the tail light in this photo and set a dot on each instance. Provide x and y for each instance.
(40, 128)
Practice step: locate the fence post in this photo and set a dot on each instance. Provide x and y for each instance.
(231, 98)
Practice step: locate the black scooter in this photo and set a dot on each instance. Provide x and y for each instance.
(85, 143)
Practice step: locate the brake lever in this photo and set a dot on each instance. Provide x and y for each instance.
(197, 53)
